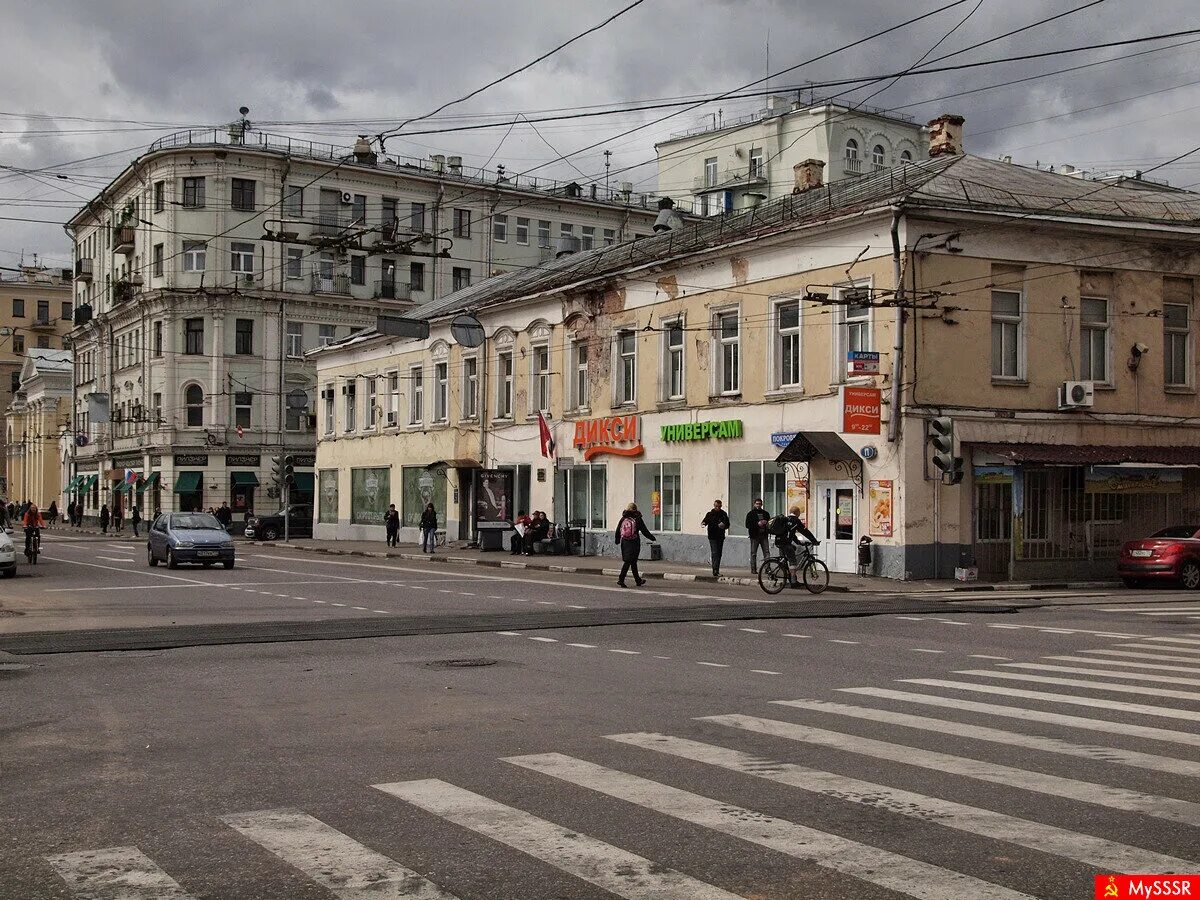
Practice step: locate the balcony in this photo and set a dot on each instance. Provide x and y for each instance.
(122, 291)
(393, 290)
(331, 225)
(123, 238)
(741, 176)
(43, 323)
(329, 284)
(853, 164)
(83, 269)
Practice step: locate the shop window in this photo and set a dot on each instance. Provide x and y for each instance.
(327, 502)
(581, 497)
(420, 486)
(656, 491)
(750, 481)
(370, 495)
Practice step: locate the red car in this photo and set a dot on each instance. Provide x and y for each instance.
(1172, 554)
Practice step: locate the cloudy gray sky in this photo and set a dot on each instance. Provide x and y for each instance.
(84, 87)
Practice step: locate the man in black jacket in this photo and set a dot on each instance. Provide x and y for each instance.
(756, 527)
(716, 520)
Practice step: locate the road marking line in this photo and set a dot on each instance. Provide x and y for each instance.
(361, 608)
(1095, 752)
(1093, 851)
(575, 606)
(1056, 631)
(753, 630)
(1183, 651)
(546, 602)
(1166, 712)
(1156, 607)
(1081, 683)
(510, 633)
(338, 604)
(1175, 640)
(466, 593)
(662, 657)
(765, 672)
(584, 646)
(627, 652)
(445, 591)
(119, 559)
(1003, 626)
(545, 640)
(1033, 715)
(1124, 662)
(1133, 654)
(840, 641)
(610, 868)
(1023, 779)
(922, 650)
(496, 597)
(788, 634)
(714, 665)
(951, 622)
(986, 656)
(116, 873)
(318, 601)
(713, 624)
(1108, 673)
(383, 611)
(832, 852)
(910, 618)
(336, 862)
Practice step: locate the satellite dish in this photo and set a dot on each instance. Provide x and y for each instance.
(467, 330)
(297, 399)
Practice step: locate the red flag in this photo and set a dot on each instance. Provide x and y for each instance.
(546, 437)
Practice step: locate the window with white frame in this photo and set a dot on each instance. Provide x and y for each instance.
(906, 156)
(193, 401)
(326, 334)
(626, 383)
(193, 256)
(853, 332)
(1006, 334)
(243, 408)
(370, 409)
(543, 233)
(470, 387)
(293, 200)
(1093, 338)
(327, 394)
(393, 398)
(756, 162)
(852, 149)
(878, 156)
(500, 228)
(610, 236)
(540, 395)
(710, 172)
(462, 223)
(440, 391)
(295, 340)
(241, 258)
(579, 374)
(673, 360)
(588, 237)
(522, 230)
(727, 333)
(294, 264)
(787, 344)
(504, 385)
(416, 395)
(1177, 342)
(350, 410)
(583, 495)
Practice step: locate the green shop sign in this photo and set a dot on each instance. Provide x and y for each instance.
(701, 431)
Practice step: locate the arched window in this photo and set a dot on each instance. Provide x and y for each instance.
(877, 156)
(193, 399)
(852, 149)
(905, 156)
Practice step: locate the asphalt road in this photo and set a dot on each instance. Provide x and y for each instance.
(849, 747)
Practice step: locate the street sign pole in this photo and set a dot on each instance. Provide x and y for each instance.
(287, 511)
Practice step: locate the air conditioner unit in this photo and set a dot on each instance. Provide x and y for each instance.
(391, 418)
(1076, 395)
(248, 278)
(347, 197)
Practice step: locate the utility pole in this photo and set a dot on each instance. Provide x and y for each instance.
(607, 163)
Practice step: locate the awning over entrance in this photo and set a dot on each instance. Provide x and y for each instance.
(72, 484)
(245, 479)
(89, 482)
(123, 488)
(1093, 455)
(807, 445)
(151, 481)
(187, 482)
(304, 482)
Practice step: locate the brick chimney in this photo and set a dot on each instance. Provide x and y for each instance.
(946, 135)
(808, 175)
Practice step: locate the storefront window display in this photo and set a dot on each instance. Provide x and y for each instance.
(581, 495)
(370, 494)
(656, 491)
(751, 480)
(327, 508)
(420, 486)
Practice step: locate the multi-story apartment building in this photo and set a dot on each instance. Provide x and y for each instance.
(729, 165)
(37, 417)
(35, 311)
(211, 264)
(798, 353)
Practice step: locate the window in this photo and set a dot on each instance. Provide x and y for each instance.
(370, 494)
(241, 258)
(294, 266)
(193, 193)
(243, 337)
(241, 194)
(156, 408)
(416, 276)
(158, 338)
(579, 383)
(540, 395)
(295, 340)
(350, 404)
(462, 223)
(18, 307)
(43, 342)
(358, 270)
(727, 332)
(566, 236)
(389, 213)
(522, 230)
(656, 486)
(66, 310)
(1177, 331)
(393, 400)
(416, 395)
(500, 228)
(193, 401)
(293, 200)
(588, 240)
(297, 419)
(673, 383)
(905, 156)
(710, 172)
(582, 498)
(243, 404)
(18, 347)
(43, 311)
(852, 149)
(327, 503)
(993, 512)
(626, 383)
(193, 337)
(326, 334)
(1006, 334)
(440, 391)
(787, 344)
(460, 278)
(193, 256)
(158, 260)
(160, 197)
(417, 217)
(504, 385)
(756, 162)
(610, 236)
(750, 481)
(1093, 338)
(370, 410)
(470, 387)
(878, 156)
(853, 331)
(327, 394)
(543, 234)
(358, 209)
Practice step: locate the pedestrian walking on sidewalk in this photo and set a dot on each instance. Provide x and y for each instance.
(135, 518)
(52, 513)
(104, 515)
(756, 527)
(716, 520)
(118, 518)
(391, 524)
(628, 537)
(428, 529)
(71, 512)
(516, 541)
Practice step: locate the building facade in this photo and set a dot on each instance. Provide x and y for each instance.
(208, 268)
(727, 166)
(37, 417)
(798, 354)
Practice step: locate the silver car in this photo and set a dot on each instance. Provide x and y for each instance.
(176, 538)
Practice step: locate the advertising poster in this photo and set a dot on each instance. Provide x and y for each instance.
(861, 410)
(370, 492)
(879, 501)
(493, 496)
(797, 495)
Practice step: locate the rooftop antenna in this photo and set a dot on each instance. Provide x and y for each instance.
(767, 80)
(607, 163)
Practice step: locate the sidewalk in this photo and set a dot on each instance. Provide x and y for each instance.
(610, 566)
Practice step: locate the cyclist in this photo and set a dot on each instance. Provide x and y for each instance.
(788, 542)
(33, 522)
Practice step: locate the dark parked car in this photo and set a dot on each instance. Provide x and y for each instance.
(176, 538)
(1172, 554)
(268, 528)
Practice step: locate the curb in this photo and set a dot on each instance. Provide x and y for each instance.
(1036, 586)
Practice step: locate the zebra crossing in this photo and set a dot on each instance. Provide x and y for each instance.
(1130, 803)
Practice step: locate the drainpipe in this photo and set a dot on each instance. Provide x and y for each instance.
(898, 330)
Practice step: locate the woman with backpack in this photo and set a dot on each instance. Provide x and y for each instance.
(628, 537)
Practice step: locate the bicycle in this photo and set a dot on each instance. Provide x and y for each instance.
(35, 546)
(774, 574)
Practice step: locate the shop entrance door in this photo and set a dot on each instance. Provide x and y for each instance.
(836, 511)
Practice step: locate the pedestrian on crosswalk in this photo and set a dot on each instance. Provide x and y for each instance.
(628, 537)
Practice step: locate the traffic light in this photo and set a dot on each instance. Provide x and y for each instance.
(277, 469)
(941, 435)
(289, 470)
